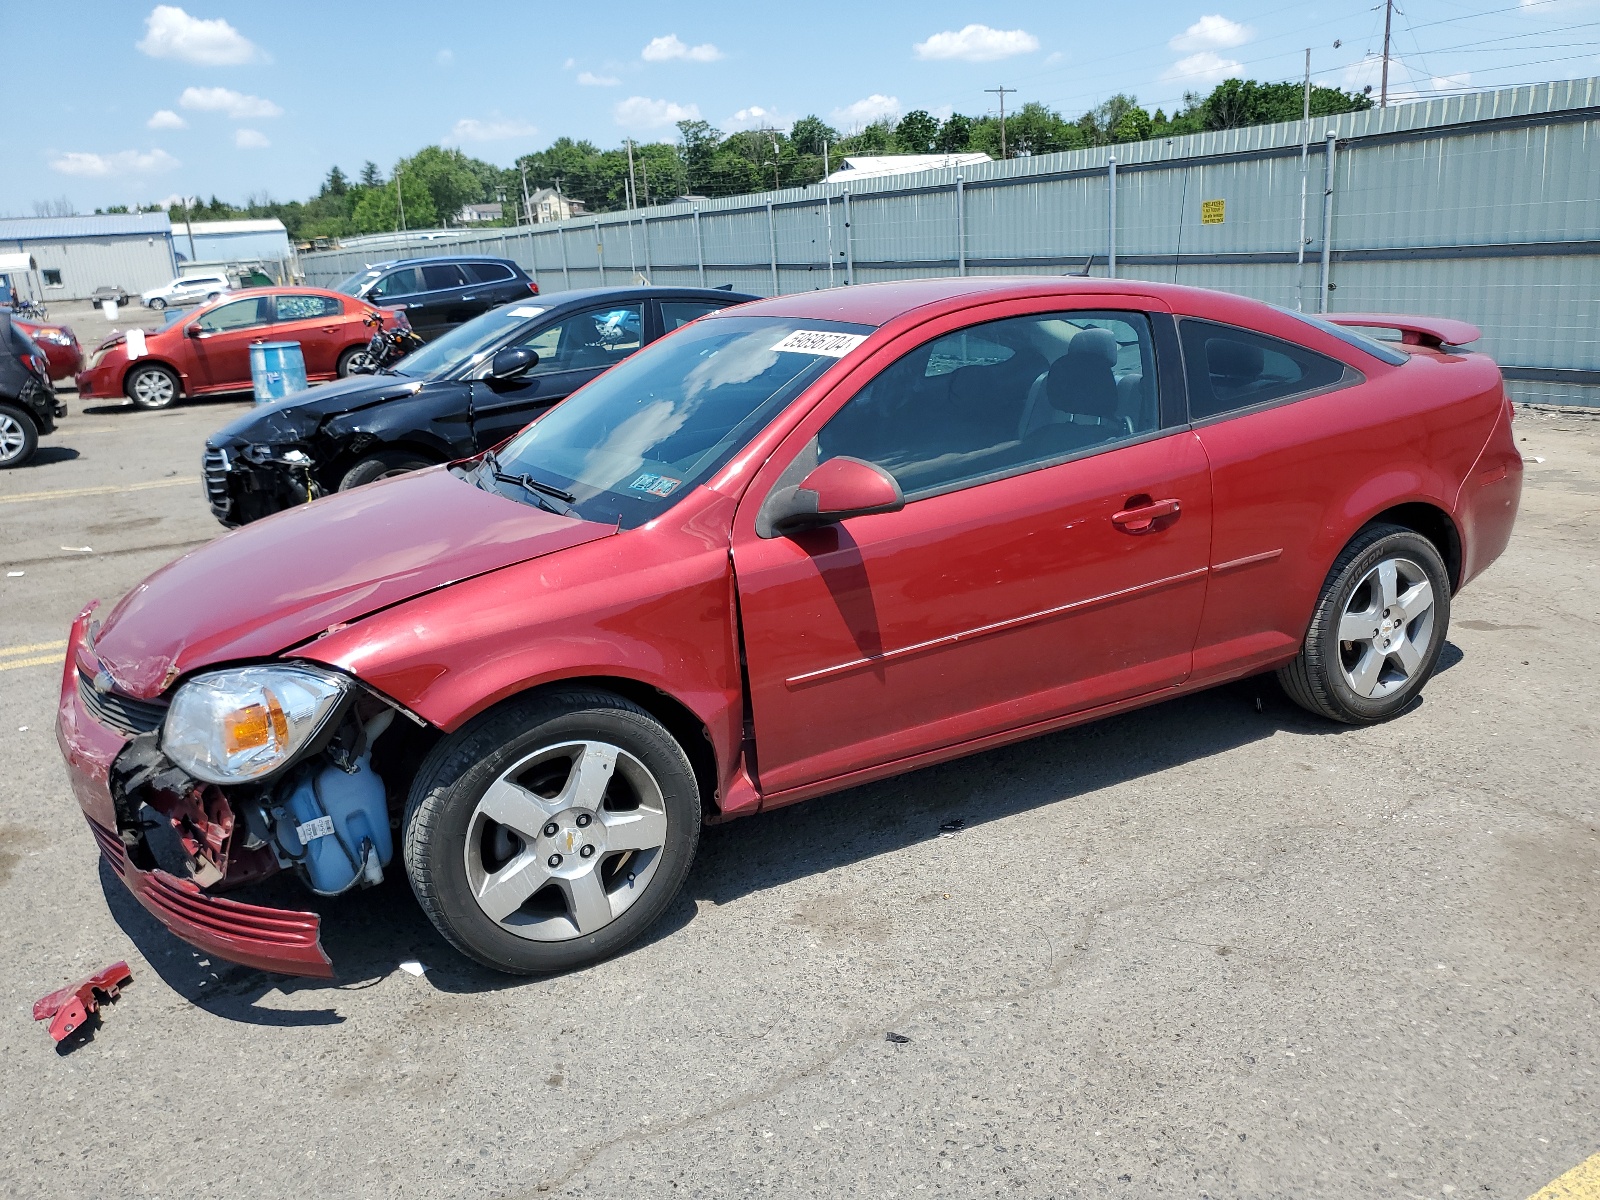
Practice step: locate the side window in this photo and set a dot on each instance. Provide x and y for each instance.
(596, 338)
(403, 282)
(486, 272)
(676, 313)
(240, 314)
(445, 275)
(52, 277)
(307, 308)
(1002, 397)
(1230, 368)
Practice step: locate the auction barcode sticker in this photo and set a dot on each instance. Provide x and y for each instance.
(821, 341)
(317, 827)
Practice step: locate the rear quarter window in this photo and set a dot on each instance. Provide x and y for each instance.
(1229, 369)
(488, 272)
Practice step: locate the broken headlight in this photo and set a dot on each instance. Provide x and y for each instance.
(241, 724)
(264, 454)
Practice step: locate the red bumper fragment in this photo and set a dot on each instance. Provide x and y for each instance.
(272, 939)
(68, 1008)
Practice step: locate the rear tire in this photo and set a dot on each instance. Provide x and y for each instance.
(381, 466)
(1377, 631)
(158, 303)
(19, 437)
(152, 386)
(350, 360)
(550, 833)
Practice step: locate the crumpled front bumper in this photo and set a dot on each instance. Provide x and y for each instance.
(271, 939)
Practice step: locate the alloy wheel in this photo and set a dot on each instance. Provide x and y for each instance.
(565, 840)
(153, 389)
(13, 437)
(1386, 628)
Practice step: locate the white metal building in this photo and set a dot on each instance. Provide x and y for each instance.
(231, 241)
(75, 255)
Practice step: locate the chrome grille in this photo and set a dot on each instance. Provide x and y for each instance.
(128, 716)
(214, 467)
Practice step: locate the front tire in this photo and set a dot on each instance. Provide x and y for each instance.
(19, 437)
(381, 466)
(351, 359)
(551, 832)
(158, 303)
(1378, 629)
(152, 386)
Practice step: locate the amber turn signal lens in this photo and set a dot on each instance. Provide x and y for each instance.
(255, 726)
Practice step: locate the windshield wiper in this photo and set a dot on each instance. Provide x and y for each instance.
(532, 486)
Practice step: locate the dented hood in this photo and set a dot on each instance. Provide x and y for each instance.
(262, 589)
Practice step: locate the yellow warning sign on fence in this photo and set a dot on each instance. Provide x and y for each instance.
(1213, 212)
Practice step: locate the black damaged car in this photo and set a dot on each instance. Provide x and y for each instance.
(469, 390)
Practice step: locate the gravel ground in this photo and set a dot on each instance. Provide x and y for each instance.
(1213, 948)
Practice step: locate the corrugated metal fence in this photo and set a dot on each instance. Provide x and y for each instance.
(1484, 207)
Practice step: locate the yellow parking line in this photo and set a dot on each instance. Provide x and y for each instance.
(109, 489)
(10, 651)
(1580, 1183)
(41, 661)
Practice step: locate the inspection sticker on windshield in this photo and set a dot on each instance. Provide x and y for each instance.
(821, 341)
(656, 485)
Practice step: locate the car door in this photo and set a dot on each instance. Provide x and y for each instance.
(493, 284)
(222, 339)
(317, 323)
(1050, 559)
(448, 298)
(402, 288)
(572, 350)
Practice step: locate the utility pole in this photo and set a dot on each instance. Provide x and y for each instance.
(1388, 25)
(772, 136)
(1001, 92)
(644, 180)
(633, 187)
(527, 204)
(825, 171)
(188, 228)
(1305, 166)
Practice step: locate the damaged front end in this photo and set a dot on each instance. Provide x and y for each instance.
(179, 832)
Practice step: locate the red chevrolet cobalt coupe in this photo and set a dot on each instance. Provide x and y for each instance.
(811, 542)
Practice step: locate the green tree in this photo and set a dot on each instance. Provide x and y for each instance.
(917, 133)
(810, 134)
(955, 135)
(335, 184)
(1133, 126)
(449, 176)
(379, 208)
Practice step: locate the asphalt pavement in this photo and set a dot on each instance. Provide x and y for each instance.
(1214, 948)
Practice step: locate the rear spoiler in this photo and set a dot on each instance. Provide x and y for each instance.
(1438, 333)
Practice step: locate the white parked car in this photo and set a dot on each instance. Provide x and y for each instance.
(185, 290)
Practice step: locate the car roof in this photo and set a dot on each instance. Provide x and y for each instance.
(441, 258)
(636, 291)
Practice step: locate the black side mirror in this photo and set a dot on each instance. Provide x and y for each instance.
(512, 362)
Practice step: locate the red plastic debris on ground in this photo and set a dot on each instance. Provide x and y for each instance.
(68, 1008)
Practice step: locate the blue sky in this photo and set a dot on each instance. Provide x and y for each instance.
(134, 102)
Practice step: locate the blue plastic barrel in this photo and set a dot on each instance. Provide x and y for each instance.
(277, 369)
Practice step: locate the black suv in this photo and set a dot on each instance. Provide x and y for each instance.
(468, 391)
(28, 404)
(440, 293)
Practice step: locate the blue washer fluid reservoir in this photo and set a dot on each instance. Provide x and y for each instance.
(340, 821)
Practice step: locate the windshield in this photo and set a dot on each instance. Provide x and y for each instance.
(353, 285)
(466, 345)
(631, 444)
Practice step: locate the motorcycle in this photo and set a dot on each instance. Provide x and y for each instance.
(387, 346)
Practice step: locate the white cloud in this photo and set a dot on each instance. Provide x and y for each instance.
(640, 112)
(170, 200)
(977, 43)
(590, 79)
(569, 64)
(756, 117)
(250, 139)
(1211, 32)
(225, 100)
(1450, 83)
(169, 32)
(123, 162)
(665, 49)
(1205, 67)
(165, 118)
(445, 57)
(865, 112)
(495, 129)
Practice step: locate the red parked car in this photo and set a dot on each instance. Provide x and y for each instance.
(797, 546)
(208, 351)
(60, 346)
